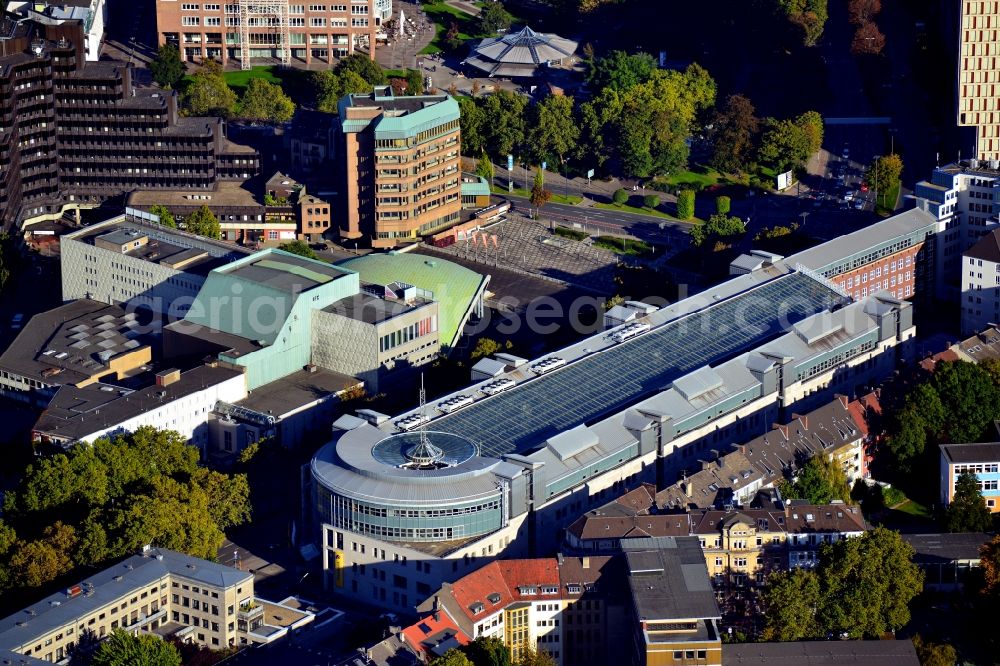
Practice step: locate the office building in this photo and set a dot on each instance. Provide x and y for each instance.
(443, 485)
(131, 260)
(246, 33)
(92, 14)
(400, 157)
(981, 284)
(977, 76)
(74, 133)
(159, 591)
(981, 460)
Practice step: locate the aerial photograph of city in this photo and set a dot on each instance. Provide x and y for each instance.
(500, 333)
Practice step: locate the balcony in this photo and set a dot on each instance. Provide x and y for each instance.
(250, 611)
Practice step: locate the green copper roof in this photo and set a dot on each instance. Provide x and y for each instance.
(477, 188)
(454, 287)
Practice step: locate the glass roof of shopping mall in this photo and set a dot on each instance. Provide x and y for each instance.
(609, 380)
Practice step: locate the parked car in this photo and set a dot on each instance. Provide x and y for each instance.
(16, 321)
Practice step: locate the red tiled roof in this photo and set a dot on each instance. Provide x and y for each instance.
(864, 408)
(929, 364)
(504, 577)
(428, 631)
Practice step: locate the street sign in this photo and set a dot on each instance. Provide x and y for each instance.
(590, 174)
(544, 165)
(510, 162)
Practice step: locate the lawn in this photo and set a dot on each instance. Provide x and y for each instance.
(643, 210)
(568, 199)
(693, 179)
(443, 16)
(574, 234)
(886, 201)
(239, 79)
(629, 246)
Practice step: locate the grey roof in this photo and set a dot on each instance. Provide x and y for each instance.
(519, 53)
(605, 377)
(979, 347)
(822, 653)
(972, 453)
(106, 587)
(490, 366)
(671, 582)
(370, 309)
(77, 413)
(987, 249)
(72, 342)
(946, 548)
(286, 272)
(296, 391)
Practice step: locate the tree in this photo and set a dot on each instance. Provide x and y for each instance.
(868, 40)
(685, 204)
(970, 398)
(166, 217)
(990, 566)
(329, 87)
(554, 131)
(204, 223)
(820, 481)
(884, 172)
(967, 511)
(363, 66)
(621, 71)
(867, 583)
(264, 101)
(453, 657)
(811, 124)
(809, 15)
(503, 121)
(493, 18)
(472, 119)
(539, 195)
(167, 68)
(735, 129)
(123, 649)
(620, 196)
(784, 145)
(209, 94)
(452, 38)
(651, 201)
(530, 657)
(35, 563)
(484, 168)
(300, 248)
(934, 654)
(488, 651)
(485, 347)
(792, 600)
(718, 226)
(414, 82)
(723, 204)
(597, 120)
(921, 420)
(863, 11)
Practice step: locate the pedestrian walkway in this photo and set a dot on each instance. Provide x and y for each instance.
(464, 6)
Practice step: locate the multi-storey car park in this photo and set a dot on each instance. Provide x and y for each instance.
(504, 465)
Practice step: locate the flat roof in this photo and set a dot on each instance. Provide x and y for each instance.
(106, 587)
(225, 193)
(285, 271)
(75, 413)
(371, 309)
(822, 653)
(297, 390)
(947, 547)
(605, 377)
(972, 453)
(72, 342)
(671, 582)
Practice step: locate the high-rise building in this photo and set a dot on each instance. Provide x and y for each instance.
(75, 132)
(979, 75)
(400, 157)
(247, 30)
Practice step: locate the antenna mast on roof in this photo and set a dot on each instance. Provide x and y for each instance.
(423, 414)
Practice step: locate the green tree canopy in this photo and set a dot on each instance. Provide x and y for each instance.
(485, 347)
(620, 196)
(166, 217)
(820, 481)
(484, 167)
(723, 205)
(718, 226)
(167, 68)
(300, 248)
(204, 223)
(868, 583)
(329, 87)
(884, 171)
(363, 66)
(784, 145)
(453, 657)
(809, 15)
(209, 94)
(934, 654)
(735, 130)
(264, 101)
(493, 18)
(621, 71)
(414, 82)
(811, 123)
(503, 122)
(488, 651)
(107, 500)
(967, 511)
(471, 120)
(792, 599)
(554, 132)
(123, 649)
(685, 204)
(539, 195)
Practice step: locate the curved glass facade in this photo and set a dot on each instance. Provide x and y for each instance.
(408, 521)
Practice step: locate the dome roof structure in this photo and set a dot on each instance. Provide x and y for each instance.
(519, 54)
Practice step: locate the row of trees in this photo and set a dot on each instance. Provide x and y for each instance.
(642, 119)
(202, 221)
(861, 587)
(741, 140)
(105, 501)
